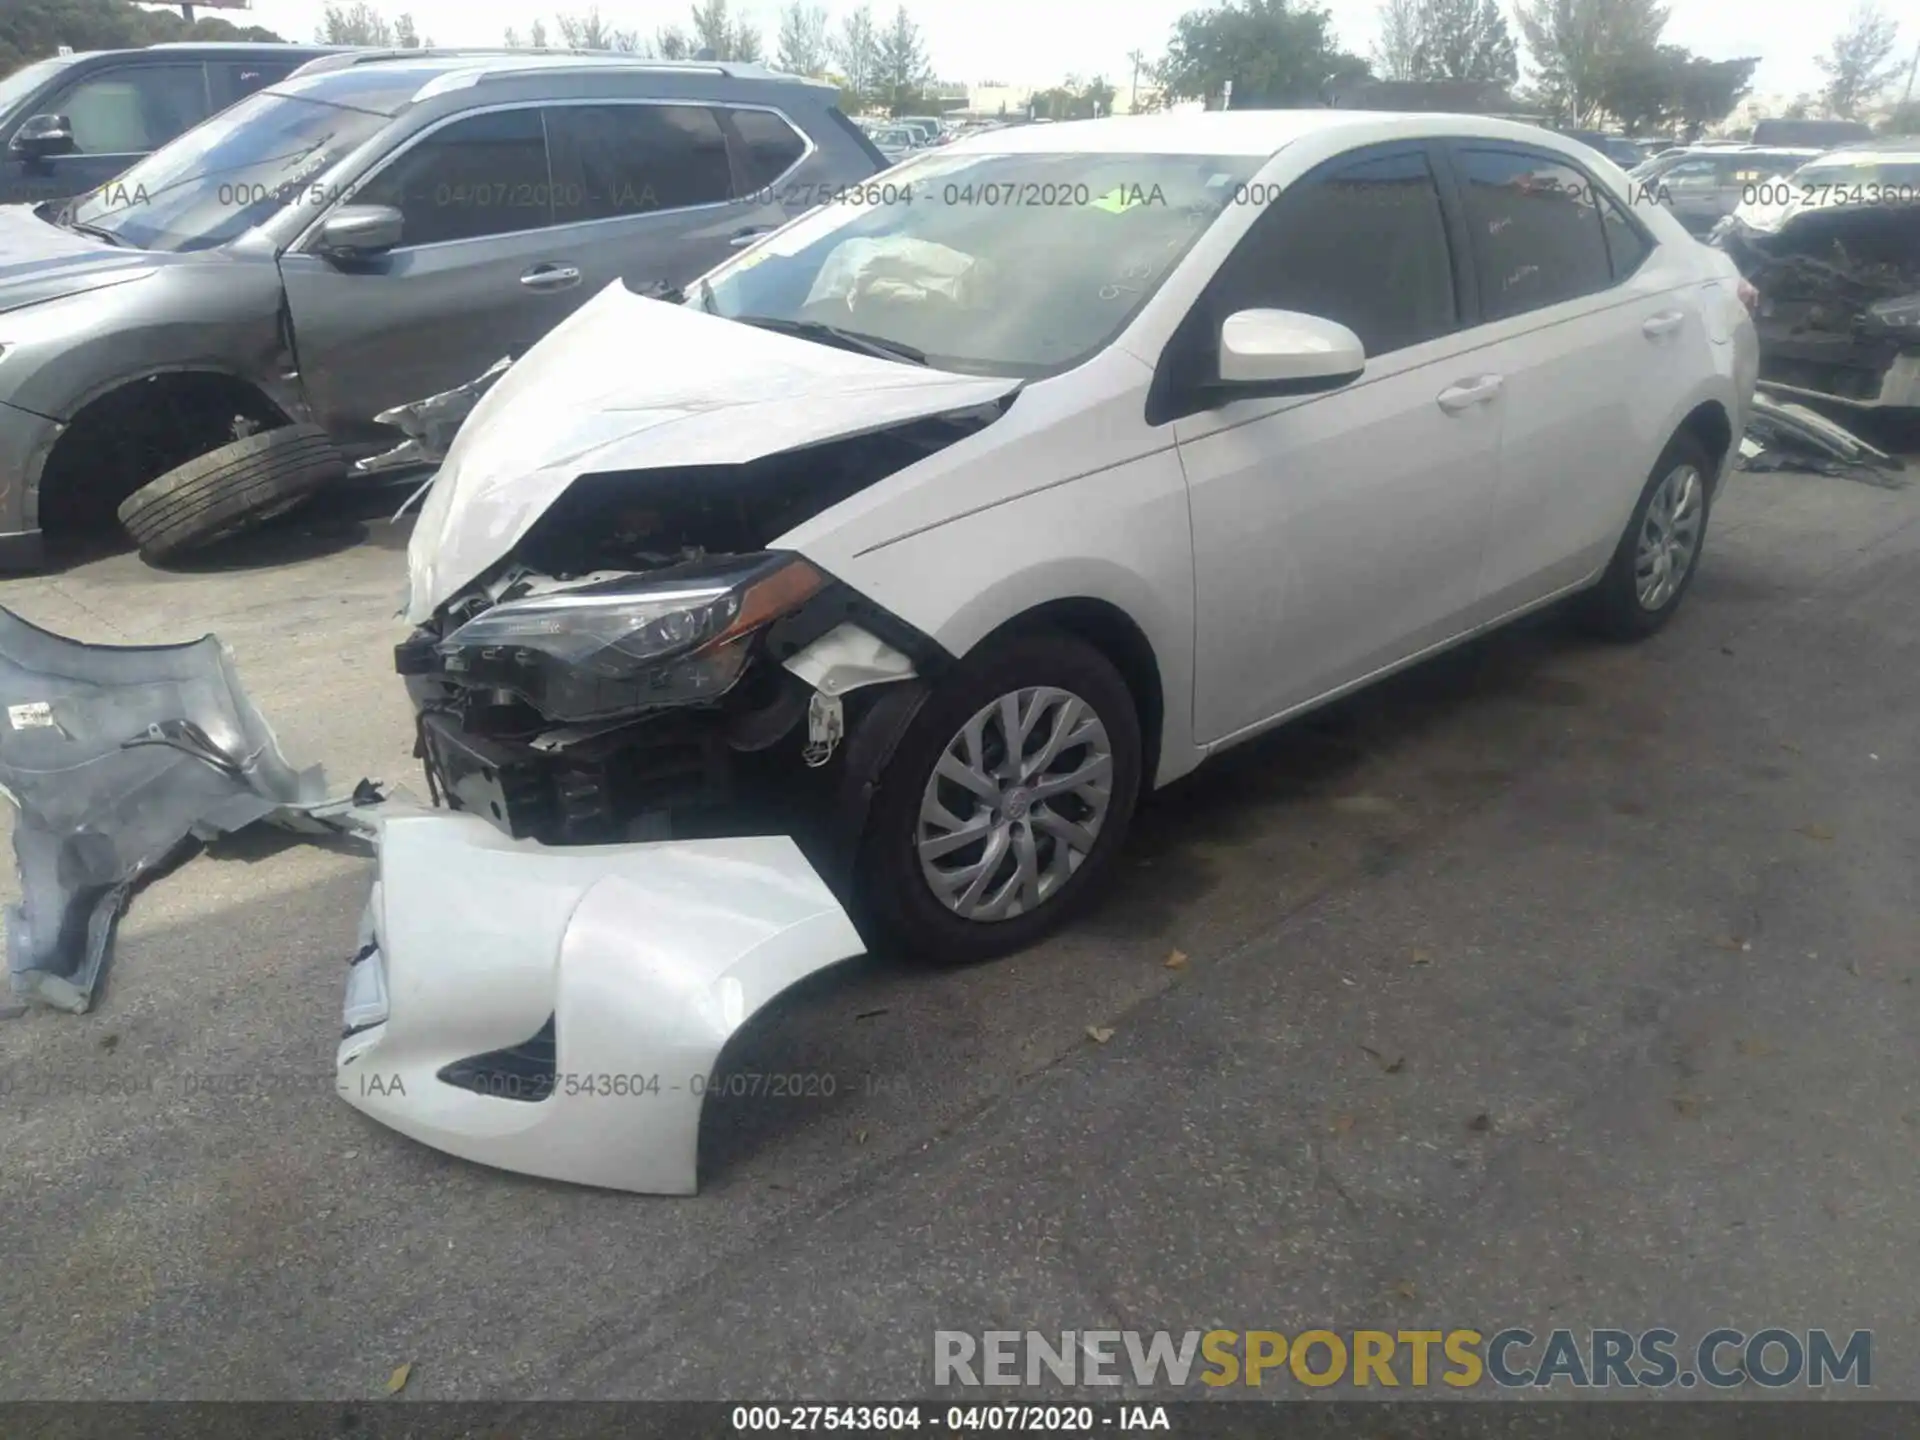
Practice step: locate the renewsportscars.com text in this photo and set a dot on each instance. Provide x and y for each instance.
(1514, 1358)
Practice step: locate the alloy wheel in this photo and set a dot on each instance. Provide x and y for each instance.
(1015, 804)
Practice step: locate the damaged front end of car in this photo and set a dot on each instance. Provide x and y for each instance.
(644, 664)
(652, 729)
(1838, 311)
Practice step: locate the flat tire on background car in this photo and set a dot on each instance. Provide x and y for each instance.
(1053, 824)
(231, 489)
(1641, 590)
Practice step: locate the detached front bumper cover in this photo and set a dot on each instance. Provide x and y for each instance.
(559, 1010)
(116, 757)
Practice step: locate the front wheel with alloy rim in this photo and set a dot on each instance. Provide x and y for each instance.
(1658, 555)
(1005, 802)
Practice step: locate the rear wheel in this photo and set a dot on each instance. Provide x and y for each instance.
(1660, 551)
(1002, 810)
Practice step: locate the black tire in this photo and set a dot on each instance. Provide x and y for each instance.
(895, 898)
(1613, 609)
(231, 489)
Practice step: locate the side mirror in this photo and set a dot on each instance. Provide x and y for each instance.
(1282, 352)
(355, 231)
(41, 137)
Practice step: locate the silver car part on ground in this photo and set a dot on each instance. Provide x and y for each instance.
(430, 424)
(560, 1011)
(116, 757)
(1784, 436)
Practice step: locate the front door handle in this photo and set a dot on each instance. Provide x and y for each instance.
(1658, 327)
(551, 277)
(740, 239)
(1480, 390)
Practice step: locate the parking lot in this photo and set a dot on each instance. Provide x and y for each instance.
(1549, 984)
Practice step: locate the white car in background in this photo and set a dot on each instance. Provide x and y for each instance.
(977, 505)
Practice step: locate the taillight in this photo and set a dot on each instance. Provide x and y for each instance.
(1749, 297)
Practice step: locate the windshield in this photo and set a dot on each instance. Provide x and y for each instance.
(1020, 265)
(228, 174)
(1891, 180)
(24, 81)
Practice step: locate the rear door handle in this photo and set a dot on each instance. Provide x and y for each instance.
(1480, 390)
(1658, 327)
(551, 277)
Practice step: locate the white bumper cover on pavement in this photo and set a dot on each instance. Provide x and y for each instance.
(646, 958)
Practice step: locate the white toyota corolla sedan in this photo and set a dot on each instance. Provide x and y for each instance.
(958, 513)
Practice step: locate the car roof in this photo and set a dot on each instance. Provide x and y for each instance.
(387, 81)
(205, 50)
(1899, 149)
(1238, 132)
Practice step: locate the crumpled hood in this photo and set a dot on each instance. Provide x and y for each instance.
(630, 383)
(40, 262)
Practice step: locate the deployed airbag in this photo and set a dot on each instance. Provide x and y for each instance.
(115, 757)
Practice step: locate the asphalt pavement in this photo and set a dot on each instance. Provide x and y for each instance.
(1550, 984)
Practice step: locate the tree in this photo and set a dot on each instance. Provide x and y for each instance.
(1858, 65)
(1575, 42)
(1465, 40)
(1904, 119)
(718, 36)
(537, 35)
(901, 71)
(803, 47)
(1396, 55)
(407, 35)
(356, 24)
(857, 50)
(1668, 88)
(590, 32)
(35, 29)
(670, 42)
(1273, 52)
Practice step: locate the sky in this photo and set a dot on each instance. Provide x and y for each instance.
(1039, 42)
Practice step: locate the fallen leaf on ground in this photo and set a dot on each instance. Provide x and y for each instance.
(1752, 1046)
(1729, 942)
(1099, 1034)
(1789, 747)
(1815, 832)
(1686, 1106)
(859, 1137)
(1420, 957)
(397, 1381)
(1392, 1067)
(1406, 1291)
(870, 1014)
(1177, 960)
(1481, 1123)
(1342, 1124)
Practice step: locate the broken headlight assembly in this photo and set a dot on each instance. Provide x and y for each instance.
(1899, 317)
(675, 636)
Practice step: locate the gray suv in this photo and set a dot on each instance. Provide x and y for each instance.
(372, 230)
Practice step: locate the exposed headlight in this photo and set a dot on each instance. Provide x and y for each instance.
(1902, 315)
(669, 637)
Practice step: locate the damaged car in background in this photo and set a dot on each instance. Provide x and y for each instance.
(1834, 254)
(857, 595)
(220, 331)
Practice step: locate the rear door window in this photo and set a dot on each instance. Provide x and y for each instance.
(1536, 227)
(623, 160)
